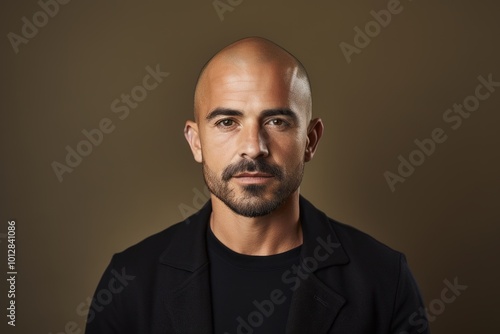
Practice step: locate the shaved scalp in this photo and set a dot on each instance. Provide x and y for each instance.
(251, 50)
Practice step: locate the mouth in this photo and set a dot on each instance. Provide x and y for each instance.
(253, 174)
(253, 177)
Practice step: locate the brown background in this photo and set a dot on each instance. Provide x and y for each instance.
(444, 217)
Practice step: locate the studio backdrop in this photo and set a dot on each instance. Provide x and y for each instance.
(94, 96)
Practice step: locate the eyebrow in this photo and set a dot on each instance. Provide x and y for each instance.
(265, 113)
(280, 111)
(223, 112)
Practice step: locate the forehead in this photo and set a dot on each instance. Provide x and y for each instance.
(247, 87)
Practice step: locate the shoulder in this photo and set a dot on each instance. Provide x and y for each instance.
(368, 256)
(180, 245)
(354, 242)
(148, 251)
(359, 242)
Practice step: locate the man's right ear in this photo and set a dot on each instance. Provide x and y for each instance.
(193, 139)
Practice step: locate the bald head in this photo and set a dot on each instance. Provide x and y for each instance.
(250, 54)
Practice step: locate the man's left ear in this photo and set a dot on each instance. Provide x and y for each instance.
(314, 133)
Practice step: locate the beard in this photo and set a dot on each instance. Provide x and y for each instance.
(256, 199)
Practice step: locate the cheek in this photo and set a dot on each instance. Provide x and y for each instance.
(288, 153)
(216, 154)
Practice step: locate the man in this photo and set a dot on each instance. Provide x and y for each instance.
(257, 258)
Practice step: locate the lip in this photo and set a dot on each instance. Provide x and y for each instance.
(252, 174)
(253, 177)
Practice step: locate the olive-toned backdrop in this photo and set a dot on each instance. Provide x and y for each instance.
(62, 77)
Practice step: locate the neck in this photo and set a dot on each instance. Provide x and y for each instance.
(271, 234)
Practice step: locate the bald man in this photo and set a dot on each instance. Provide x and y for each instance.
(258, 257)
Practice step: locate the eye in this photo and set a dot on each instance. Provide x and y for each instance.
(225, 123)
(278, 122)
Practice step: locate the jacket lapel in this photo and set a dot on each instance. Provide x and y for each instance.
(183, 283)
(190, 307)
(315, 306)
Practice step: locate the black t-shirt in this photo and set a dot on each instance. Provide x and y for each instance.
(248, 293)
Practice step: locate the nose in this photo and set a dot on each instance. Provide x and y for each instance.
(253, 142)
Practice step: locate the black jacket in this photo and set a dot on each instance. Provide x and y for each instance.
(353, 284)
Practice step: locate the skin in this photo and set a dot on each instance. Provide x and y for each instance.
(253, 103)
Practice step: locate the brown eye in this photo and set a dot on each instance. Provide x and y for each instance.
(225, 123)
(278, 122)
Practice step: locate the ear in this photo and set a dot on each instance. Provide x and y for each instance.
(314, 133)
(193, 139)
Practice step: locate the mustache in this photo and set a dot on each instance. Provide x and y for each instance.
(258, 165)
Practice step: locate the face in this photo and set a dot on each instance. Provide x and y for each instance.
(251, 135)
